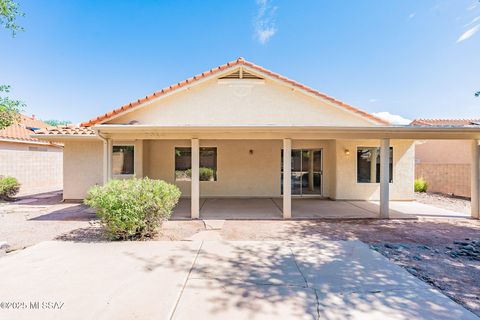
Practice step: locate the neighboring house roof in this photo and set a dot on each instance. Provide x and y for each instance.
(238, 62)
(21, 130)
(67, 130)
(445, 122)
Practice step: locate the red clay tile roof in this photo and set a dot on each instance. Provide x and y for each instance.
(66, 130)
(21, 131)
(239, 61)
(445, 122)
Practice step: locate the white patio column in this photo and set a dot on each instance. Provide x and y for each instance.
(287, 178)
(475, 183)
(384, 178)
(195, 190)
(109, 158)
(105, 161)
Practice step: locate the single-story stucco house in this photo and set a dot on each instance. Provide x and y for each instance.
(242, 131)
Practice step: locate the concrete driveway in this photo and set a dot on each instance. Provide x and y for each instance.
(214, 280)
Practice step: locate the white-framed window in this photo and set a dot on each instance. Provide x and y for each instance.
(368, 165)
(123, 160)
(183, 164)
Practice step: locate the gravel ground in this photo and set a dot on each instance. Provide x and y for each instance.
(33, 219)
(444, 252)
(444, 202)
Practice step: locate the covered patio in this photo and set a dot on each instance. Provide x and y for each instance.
(250, 167)
(305, 208)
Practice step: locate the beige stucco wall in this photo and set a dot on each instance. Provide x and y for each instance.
(83, 167)
(346, 173)
(239, 173)
(443, 151)
(37, 171)
(240, 103)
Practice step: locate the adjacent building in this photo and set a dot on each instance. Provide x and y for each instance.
(37, 164)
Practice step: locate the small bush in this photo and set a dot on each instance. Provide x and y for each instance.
(207, 174)
(9, 187)
(421, 185)
(133, 208)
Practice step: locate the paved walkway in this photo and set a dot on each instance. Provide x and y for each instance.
(215, 280)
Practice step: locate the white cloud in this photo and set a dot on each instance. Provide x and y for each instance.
(373, 100)
(412, 15)
(472, 7)
(472, 22)
(392, 118)
(264, 22)
(469, 33)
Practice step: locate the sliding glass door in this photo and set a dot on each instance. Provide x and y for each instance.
(306, 172)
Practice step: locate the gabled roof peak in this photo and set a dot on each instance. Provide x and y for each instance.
(239, 61)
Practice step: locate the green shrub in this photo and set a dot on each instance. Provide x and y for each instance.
(207, 174)
(420, 185)
(133, 208)
(9, 187)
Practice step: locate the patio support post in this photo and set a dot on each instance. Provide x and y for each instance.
(384, 178)
(109, 158)
(287, 178)
(105, 160)
(475, 183)
(195, 190)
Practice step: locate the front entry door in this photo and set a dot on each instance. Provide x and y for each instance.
(306, 172)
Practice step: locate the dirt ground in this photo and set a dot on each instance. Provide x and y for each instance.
(444, 202)
(32, 219)
(444, 252)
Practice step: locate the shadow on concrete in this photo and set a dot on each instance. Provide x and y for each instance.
(255, 280)
(39, 199)
(77, 212)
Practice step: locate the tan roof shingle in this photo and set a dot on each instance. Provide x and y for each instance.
(21, 130)
(445, 122)
(67, 130)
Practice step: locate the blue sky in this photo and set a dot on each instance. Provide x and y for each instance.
(78, 59)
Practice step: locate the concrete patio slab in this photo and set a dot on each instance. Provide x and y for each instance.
(122, 280)
(216, 280)
(259, 262)
(396, 305)
(182, 209)
(232, 208)
(305, 208)
(212, 299)
(311, 208)
(350, 266)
